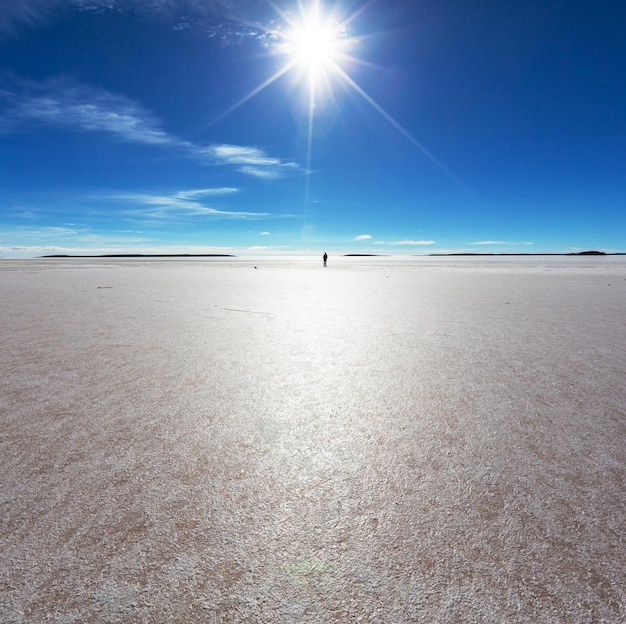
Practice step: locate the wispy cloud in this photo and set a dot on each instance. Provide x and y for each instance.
(229, 21)
(71, 105)
(15, 14)
(264, 174)
(239, 155)
(27, 241)
(409, 243)
(184, 204)
(362, 237)
(252, 161)
(489, 242)
(209, 192)
(99, 245)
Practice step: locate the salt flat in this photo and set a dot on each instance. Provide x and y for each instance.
(384, 440)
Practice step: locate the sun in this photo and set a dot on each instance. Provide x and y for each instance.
(313, 45)
(316, 51)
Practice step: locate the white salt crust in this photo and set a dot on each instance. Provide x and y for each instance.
(382, 440)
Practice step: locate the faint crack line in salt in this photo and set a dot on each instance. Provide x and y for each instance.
(249, 311)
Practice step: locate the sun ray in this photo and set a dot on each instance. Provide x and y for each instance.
(316, 44)
(309, 152)
(350, 18)
(273, 78)
(405, 133)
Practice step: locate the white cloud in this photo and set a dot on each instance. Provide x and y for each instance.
(253, 160)
(29, 249)
(51, 239)
(228, 20)
(71, 105)
(264, 233)
(265, 174)
(182, 203)
(413, 243)
(17, 13)
(77, 107)
(362, 237)
(488, 242)
(111, 245)
(61, 231)
(210, 192)
(240, 155)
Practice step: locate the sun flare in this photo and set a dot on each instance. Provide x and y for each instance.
(315, 50)
(313, 45)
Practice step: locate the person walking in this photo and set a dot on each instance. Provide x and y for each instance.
(325, 257)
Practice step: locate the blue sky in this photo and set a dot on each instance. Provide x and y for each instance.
(248, 127)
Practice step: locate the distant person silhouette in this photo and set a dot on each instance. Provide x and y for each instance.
(325, 257)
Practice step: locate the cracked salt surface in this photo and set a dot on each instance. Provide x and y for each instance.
(380, 441)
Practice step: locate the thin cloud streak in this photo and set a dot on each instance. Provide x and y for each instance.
(265, 174)
(15, 14)
(238, 155)
(184, 204)
(76, 107)
(211, 192)
(180, 204)
(207, 14)
(54, 239)
(488, 242)
(68, 104)
(413, 243)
